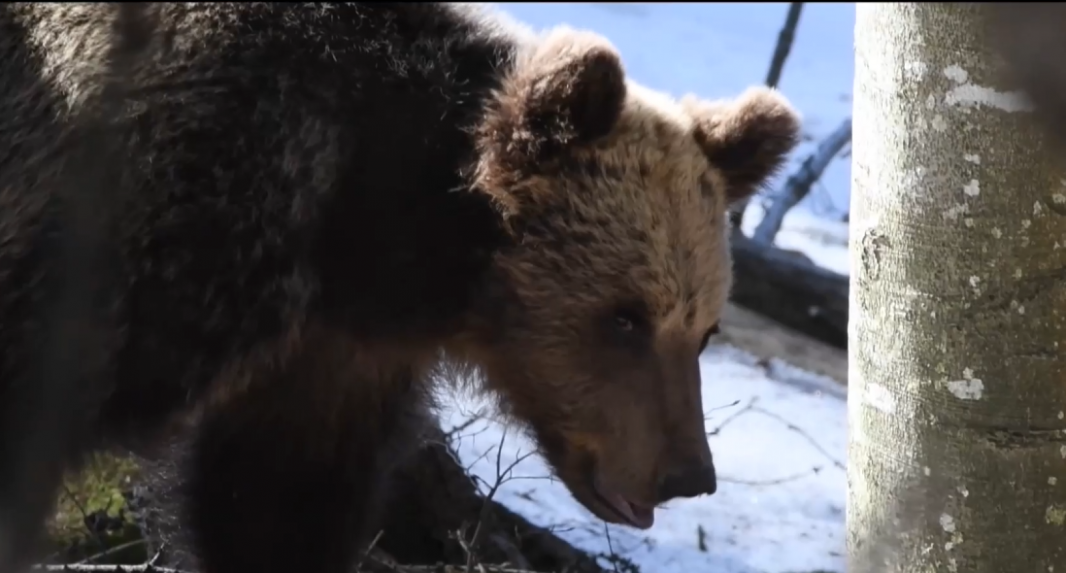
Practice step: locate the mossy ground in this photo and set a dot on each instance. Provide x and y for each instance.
(92, 517)
(93, 521)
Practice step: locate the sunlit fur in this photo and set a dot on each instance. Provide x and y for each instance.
(319, 201)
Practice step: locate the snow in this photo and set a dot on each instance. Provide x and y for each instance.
(778, 434)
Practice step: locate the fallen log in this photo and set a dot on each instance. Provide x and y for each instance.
(787, 287)
(436, 507)
(435, 515)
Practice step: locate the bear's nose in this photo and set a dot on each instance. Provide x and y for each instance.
(688, 480)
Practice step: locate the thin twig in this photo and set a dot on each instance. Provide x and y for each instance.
(85, 518)
(370, 548)
(142, 568)
(114, 550)
(752, 407)
(388, 565)
(730, 418)
(503, 475)
(803, 434)
(775, 481)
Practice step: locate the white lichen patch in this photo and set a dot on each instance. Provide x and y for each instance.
(1055, 515)
(969, 388)
(1052, 480)
(952, 213)
(962, 490)
(939, 124)
(956, 74)
(1058, 198)
(996, 232)
(972, 158)
(915, 70)
(880, 398)
(927, 471)
(947, 522)
(1062, 452)
(1038, 209)
(972, 189)
(967, 96)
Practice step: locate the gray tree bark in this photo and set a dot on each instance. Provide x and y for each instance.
(957, 440)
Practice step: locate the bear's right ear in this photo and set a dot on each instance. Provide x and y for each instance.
(569, 90)
(747, 138)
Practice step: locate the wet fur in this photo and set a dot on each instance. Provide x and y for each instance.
(316, 201)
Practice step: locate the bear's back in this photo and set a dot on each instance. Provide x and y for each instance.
(279, 161)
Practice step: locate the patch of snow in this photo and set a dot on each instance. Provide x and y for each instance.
(779, 506)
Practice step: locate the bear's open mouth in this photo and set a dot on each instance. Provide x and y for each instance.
(636, 515)
(639, 516)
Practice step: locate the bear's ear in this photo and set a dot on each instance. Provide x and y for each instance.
(569, 90)
(747, 138)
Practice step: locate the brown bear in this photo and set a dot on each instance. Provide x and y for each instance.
(315, 210)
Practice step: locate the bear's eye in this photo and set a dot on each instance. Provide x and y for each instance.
(629, 321)
(714, 329)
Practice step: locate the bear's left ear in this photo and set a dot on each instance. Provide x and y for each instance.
(568, 90)
(747, 138)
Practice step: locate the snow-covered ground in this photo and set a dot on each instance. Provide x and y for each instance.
(780, 452)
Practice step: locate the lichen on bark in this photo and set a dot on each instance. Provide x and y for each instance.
(958, 228)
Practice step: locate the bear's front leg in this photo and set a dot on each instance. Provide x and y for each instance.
(285, 471)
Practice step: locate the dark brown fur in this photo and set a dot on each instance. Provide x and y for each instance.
(318, 200)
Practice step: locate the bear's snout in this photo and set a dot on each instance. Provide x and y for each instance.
(689, 479)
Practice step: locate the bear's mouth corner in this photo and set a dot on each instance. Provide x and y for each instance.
(634, 514)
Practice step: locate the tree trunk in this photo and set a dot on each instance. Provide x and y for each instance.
(1029, 35)
(957, 437)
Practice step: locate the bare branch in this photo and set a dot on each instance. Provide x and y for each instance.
(86, 567)
(784, 44)
(375, 563)
(113, 550)
(730, 418)
(752, 407)
(785, 37)
(775, 481)
(503, 475)
(803, 434)
(799, 184)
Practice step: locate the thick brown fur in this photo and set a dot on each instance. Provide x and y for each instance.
(318, 202)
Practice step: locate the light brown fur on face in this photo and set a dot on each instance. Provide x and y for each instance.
(616, 198)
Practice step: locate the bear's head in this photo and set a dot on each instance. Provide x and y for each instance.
(594, 316)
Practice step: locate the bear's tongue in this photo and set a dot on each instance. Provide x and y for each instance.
(636, 515)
